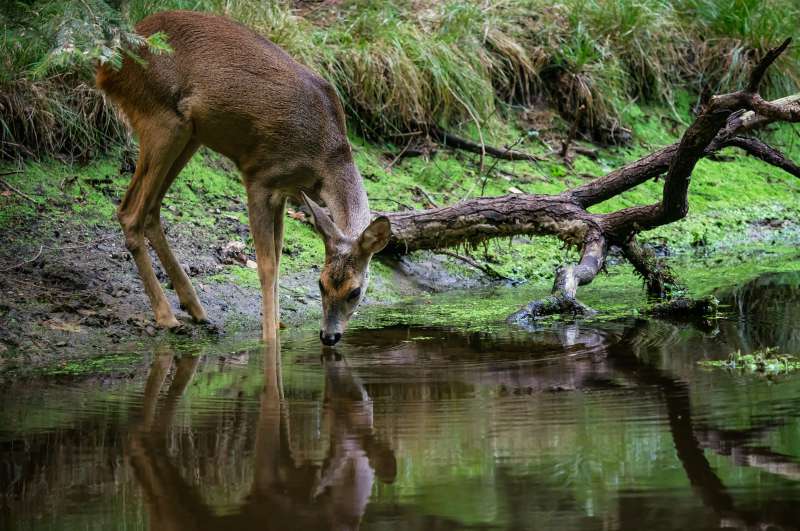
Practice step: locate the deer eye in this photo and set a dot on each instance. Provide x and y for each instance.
(354, 294)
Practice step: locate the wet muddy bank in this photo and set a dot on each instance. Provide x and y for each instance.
(76, 291)
(82, 310)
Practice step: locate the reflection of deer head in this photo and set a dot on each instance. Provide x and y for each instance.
(284, 493)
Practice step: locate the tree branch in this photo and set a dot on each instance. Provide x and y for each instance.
(458, 142)
(756, 148)
(563, 298)
(719, 125)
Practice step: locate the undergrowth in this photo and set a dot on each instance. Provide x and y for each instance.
(398, 64)
(732, 203)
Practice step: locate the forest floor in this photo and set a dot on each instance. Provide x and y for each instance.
(69, 287)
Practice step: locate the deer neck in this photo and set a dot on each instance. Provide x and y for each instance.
(346, 199)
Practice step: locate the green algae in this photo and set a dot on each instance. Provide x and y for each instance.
(767, 361)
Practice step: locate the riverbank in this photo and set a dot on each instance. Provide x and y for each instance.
(70, 289)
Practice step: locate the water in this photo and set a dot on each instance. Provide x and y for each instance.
(576, 426)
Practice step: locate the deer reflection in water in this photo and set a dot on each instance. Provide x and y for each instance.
(284, 493)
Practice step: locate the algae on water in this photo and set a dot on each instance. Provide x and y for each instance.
(765, 361)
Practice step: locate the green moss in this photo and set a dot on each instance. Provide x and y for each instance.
(727, 199)
(99, 365)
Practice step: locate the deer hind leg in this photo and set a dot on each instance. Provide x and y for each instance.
(159, 146)
(155, 233)
(262, 205)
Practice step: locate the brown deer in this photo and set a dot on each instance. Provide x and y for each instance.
(226, 87)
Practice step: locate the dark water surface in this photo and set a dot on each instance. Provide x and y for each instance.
(575, 426)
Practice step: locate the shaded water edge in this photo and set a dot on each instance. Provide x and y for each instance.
(608, 424)
(619, 293)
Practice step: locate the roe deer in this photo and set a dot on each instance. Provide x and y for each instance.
(226, 87)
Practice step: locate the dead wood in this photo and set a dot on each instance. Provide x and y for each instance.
(14, 189)
(485, 269)
(586, 152)
(721, 124)
(760, 150)
(684, 308)
(451, 140)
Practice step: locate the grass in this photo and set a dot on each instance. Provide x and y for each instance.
(469, 66)
(460, 64)
(767, 361)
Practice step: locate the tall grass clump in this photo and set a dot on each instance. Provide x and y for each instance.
(48, 105)
(402, 65)
(732, 34)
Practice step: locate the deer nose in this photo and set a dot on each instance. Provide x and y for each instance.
(329, 339)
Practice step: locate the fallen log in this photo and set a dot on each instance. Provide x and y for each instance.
(721, 124)
(449, 139)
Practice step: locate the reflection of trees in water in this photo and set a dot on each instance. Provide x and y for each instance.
(41, 471)
(768, 312)
(690, 441)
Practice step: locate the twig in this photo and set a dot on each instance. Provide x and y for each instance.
(492, 167)
(572, 131)
(82, 245)
(16, 190)
(420, 190)
(477, 265)
(399, 156)
(395, 201)
(38, 254)
(458, 142)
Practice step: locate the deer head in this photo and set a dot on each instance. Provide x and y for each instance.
(345, 275)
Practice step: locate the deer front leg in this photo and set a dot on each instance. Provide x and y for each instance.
(262, 206)
(155, 233)
(279, 213)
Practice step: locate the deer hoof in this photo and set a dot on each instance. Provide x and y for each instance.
(168, 322)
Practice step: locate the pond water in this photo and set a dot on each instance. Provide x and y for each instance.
(603, 425)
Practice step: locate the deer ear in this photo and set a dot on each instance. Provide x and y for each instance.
(375, 236)
(322, 221)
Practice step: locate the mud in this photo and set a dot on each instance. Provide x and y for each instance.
(76, 290)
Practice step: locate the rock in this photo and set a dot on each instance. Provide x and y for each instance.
(251, 264)
(233, 252)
